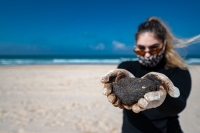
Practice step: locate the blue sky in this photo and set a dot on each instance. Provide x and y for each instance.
(88, 27)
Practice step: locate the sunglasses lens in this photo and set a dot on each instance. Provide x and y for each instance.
(139, 52)
(156, 51)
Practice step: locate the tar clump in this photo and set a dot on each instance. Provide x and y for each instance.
(130, 90)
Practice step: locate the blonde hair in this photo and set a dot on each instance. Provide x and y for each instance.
(173, 59)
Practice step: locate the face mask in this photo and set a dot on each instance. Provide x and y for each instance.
(153, 60)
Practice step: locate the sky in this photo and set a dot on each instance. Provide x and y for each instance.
(89, 27)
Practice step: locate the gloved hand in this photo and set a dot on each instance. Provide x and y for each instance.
(151, 99)
(156, 98)
(111, 77)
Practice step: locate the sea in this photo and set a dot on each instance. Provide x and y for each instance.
(76, 60)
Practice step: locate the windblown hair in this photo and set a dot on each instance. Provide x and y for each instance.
(162, 33)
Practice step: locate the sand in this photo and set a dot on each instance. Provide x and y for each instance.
(68, 99)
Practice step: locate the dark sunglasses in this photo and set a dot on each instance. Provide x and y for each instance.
(141, 51)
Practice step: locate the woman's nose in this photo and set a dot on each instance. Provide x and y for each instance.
(147, 54)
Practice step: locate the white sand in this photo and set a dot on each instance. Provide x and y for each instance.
(68, 99)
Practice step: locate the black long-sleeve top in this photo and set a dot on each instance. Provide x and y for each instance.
(165, 117)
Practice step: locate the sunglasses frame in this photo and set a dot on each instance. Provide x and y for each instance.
(140, 52)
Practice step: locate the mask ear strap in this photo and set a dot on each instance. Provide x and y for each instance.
(163, 49)
(165, 43)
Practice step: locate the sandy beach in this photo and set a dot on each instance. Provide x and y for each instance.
(68, 99)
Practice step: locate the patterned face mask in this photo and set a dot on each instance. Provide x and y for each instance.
(153, 60)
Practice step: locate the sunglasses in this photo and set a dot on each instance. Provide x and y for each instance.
(141, 50)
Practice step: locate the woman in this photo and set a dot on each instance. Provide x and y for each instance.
(157, 112)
